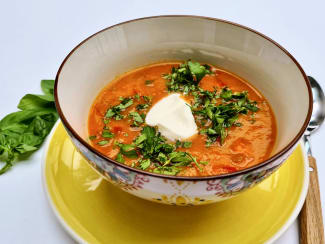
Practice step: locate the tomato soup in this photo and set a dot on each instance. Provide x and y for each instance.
(235, 123)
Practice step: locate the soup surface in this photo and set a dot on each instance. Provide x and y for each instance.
(236, 126)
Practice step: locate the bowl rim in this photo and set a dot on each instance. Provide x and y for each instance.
(275, 157)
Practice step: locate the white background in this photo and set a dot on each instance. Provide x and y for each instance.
(35, 36)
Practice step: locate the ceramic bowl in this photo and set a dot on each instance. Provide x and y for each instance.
(119, 48)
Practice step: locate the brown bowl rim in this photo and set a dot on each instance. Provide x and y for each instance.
(188, 178)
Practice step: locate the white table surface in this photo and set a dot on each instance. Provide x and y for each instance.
(37, 35)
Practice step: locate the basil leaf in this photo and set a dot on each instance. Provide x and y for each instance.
(47, 86)
(30, 101)
(23, 148)
(23, 117)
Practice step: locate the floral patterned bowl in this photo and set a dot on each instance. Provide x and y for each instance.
(253, 56)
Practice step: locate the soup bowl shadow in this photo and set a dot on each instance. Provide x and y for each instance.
(251, 55)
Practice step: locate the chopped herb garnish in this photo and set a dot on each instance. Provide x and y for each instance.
(215, 112)
(92, 138)
(187, 144)
(184, 144)
(146, 104)
(148, 82)
(107, 134)
(119, 158)
(186, 77)
(178, 143)
(137, 118)
(198, 70)
(172, 170)
(221, 115)
(102, 143)
(154, 149)
(127, 150)
(115, 111)
(144, 164)
(142, 106)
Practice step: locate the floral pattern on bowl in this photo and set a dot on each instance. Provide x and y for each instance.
(177, 192)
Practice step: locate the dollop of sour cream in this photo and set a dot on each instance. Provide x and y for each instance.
(173, 117)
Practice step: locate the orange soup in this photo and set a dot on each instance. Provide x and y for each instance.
(235, 124)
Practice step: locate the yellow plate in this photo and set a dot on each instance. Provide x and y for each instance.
(94, 211)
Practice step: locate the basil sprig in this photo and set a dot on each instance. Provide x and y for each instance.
(23, 132)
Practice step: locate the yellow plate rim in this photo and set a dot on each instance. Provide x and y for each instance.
(76, 237)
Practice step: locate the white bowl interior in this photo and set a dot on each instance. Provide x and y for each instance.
(116, 50)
